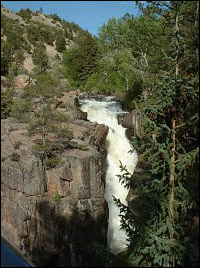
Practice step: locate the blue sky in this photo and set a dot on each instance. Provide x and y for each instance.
(89, 15)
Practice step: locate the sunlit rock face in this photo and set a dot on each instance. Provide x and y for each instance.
(57, 226)
(106, 111)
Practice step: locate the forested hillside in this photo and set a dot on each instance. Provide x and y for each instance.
(33, 40)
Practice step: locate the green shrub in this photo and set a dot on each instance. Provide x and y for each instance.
(33, 33)
(39, 150)
(15, 37)
(47, 153)
(80, 61)
(55, 17)
(51, 162)
(40, 58)
(20, 110)
(57, 198)
(7, 51)
(47, 81)
(27, 47)
(60, 44)
(6, 104)
(97, 83)
(25, 13)
(46, 34)
(12, 70)
(19, 57)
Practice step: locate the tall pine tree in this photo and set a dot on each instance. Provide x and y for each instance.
(168, 141)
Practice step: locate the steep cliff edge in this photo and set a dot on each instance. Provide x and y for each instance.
(56, 227)
(132, 121)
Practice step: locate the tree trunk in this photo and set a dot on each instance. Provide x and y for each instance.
(172, 175)
(195, 24)
(177, 41)
(127, 85)
(44, 143)
(173, 122)
(43, 125)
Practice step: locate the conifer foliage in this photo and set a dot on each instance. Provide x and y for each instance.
(81, 59)
(168, 140)
(50, 124)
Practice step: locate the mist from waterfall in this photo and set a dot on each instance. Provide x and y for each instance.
(118, 147)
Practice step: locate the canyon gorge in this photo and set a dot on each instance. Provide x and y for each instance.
(54, 216)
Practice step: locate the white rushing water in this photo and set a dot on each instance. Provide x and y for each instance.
(118, 146)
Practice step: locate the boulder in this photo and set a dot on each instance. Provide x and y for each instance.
(127, 121)
(135, 121)
(22, 81)
(80, 115)
(98, 138)
(131, 121)
(4, 80)
(101, 134)
(130, 133)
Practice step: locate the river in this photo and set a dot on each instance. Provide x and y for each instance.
(105, 111)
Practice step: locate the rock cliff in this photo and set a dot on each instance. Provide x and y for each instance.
(57, 226)
(131, 122)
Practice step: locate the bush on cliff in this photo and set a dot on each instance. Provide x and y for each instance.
(20, 110)
(60, 43)
(51, 125)
(6, 104)
(25, 13)
(40, 58)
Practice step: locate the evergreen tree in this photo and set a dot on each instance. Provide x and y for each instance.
(6, 104)
(21, 109)
(33, 33)
(168, 143)
(25, 13)
(60, 43)
(40, 58)
(50, 124)
(81, 60)
(7, 51)
(19, 58)
(46, 120)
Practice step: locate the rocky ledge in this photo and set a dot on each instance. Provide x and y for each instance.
(58, 225)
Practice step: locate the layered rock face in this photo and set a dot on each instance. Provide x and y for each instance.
(57, 226)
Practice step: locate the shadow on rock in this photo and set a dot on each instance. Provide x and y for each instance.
(65, 242)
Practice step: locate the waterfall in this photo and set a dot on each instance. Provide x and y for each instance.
(105, 112)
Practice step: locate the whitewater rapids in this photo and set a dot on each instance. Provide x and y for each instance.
(105, 111)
